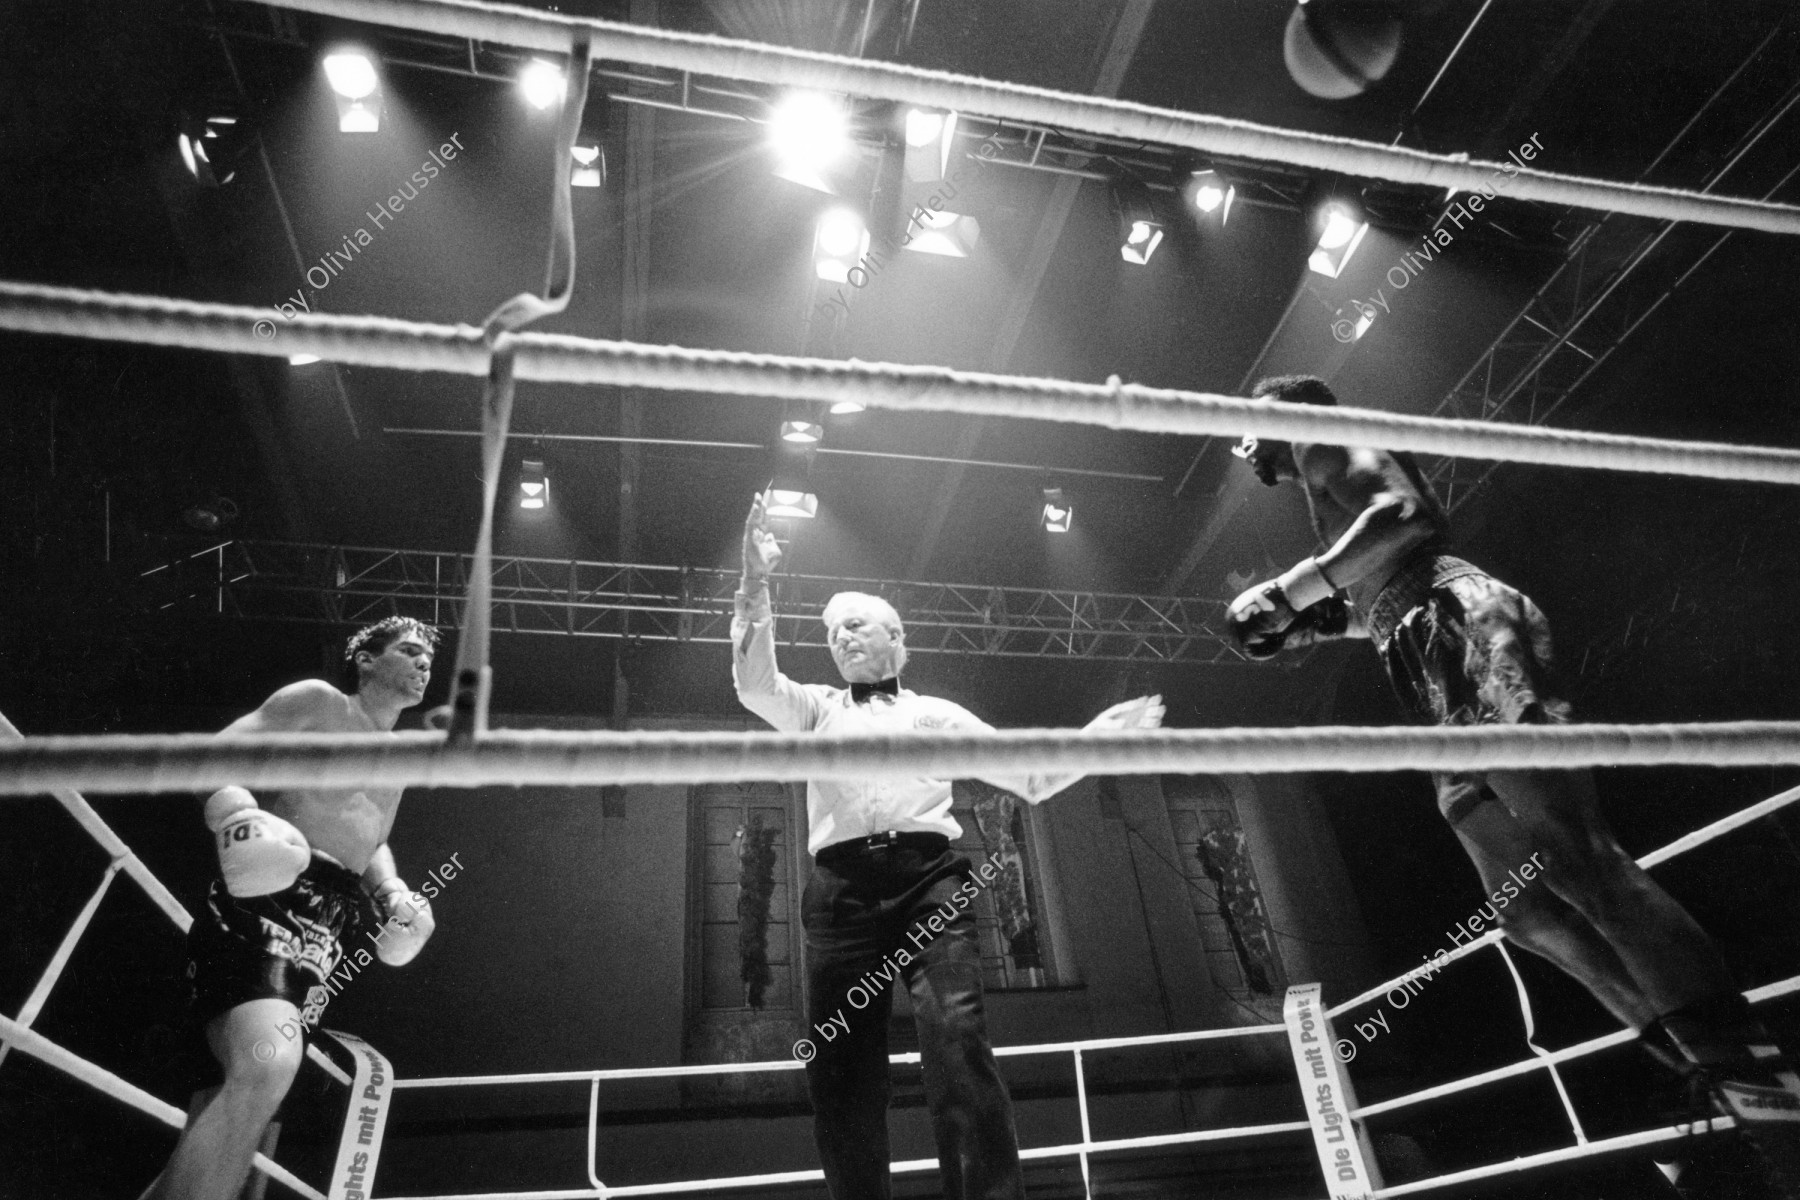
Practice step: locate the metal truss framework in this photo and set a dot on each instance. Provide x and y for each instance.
(1609, 283)
(352, 585)
(1615, 276)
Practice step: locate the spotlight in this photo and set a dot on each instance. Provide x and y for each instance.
(534, 485)
(1342, 234)
(351, 74)
(789, 496)
(211, 516)
(542, 83)
(845, 407)
(1211, 193)
(804, 433)
(1141, 241)
(302, 360)
(840, 243)
(810, 133)
(590, 167)
(357, 89)
(1143, 231)
(1058, 513)
(212, 141)
(950, 234)
(930, 137)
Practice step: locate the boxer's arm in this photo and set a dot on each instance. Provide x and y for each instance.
(381, 868)
(1392, 519)
(407, 920)
(259, 852)
(297, 708)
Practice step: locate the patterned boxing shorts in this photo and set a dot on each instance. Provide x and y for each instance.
(281, 946)
(1465, 649)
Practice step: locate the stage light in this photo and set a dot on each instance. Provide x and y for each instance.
(1141, 241)
(1138, 220)
(351, 74)
(949, 234)
(789, 496)
(534, 485)
(810, 133)
(930, 137)
(302, 360)
(923, 128)
(1210, 192)
(211, 516)
(590, 167)
(839, 244)
(845, 407)
(1058, 513)
(542, 83)
(803, 433)
(357, 89)
(211, 146)
(1342, 234)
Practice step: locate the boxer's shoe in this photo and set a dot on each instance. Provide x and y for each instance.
(1762, 1094)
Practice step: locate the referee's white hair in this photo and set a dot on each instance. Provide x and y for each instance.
(834, 608)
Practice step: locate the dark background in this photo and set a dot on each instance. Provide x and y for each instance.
(1672, 598)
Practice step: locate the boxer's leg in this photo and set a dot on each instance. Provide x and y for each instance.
(225, 1124)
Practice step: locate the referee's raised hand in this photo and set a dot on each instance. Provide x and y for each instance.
(761, 554)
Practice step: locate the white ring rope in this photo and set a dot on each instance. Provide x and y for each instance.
(99, 1078)
(557, 358)
(141, 763)
(782, 66)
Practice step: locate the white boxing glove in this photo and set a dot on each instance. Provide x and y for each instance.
(406, 923)
(259, 853)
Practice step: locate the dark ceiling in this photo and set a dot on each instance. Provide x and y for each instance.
(698, 244)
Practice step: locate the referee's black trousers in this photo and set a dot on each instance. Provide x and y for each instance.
(863, 906)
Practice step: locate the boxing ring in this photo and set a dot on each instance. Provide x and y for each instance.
(467, 754)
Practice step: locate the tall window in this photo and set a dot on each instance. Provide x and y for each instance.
(1009, 912)
(1228, 902)
(746, 947)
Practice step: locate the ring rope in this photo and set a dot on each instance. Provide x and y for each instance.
(783, 66)
(97, 1077)
(141, 763)
(473, 677)
(1674, 849)
(558, 358)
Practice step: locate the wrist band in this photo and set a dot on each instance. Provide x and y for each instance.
(1305, 585)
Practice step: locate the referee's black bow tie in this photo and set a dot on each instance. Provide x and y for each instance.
(860, 692)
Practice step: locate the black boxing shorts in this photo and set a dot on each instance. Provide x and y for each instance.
(282, 946)
(1462, 648)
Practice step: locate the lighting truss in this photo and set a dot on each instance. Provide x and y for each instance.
(350, 585)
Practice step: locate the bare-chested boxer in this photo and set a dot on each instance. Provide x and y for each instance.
(294, 873)
(1463, 648)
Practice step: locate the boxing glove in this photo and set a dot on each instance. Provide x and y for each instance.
(1326, 621)
(1258, 615)
(406, 923)
(259, 853)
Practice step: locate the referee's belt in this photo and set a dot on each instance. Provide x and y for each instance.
(862, 848)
